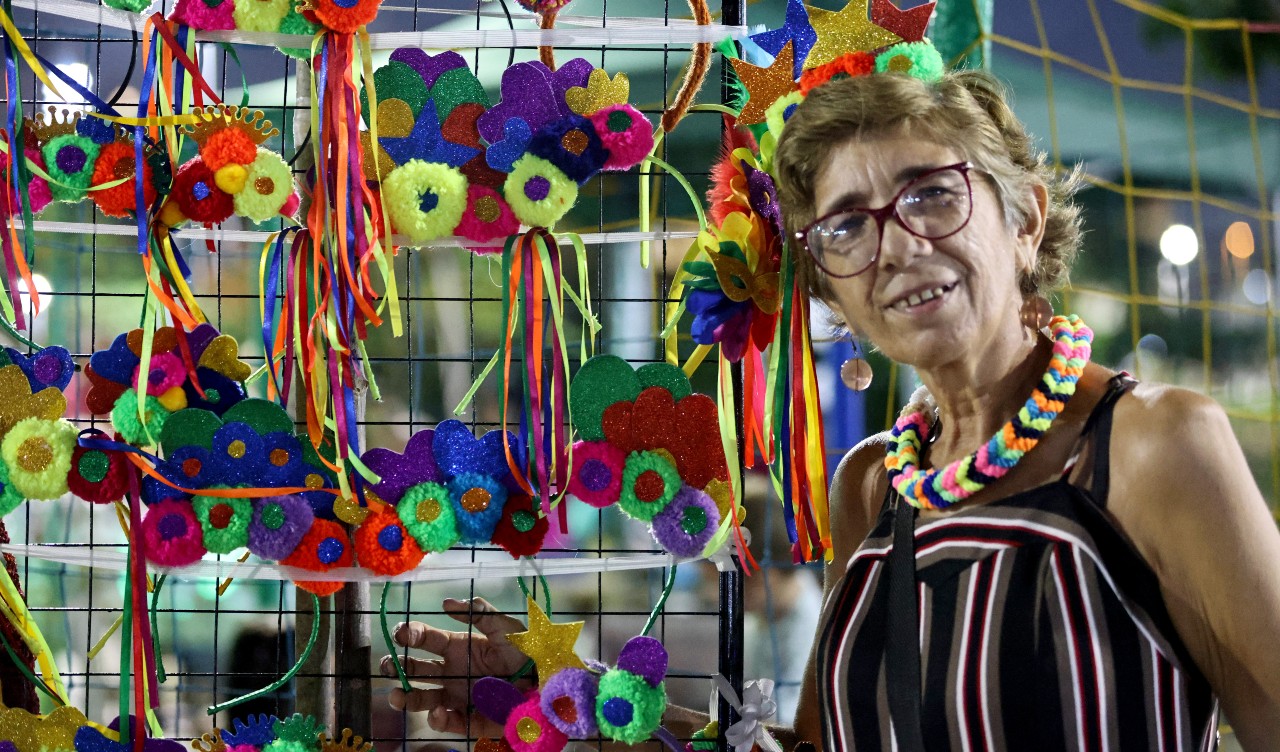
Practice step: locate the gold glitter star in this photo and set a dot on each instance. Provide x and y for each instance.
(765, 85)
(845, 30)
(549, 645)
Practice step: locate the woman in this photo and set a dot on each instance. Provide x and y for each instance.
(1083, 597)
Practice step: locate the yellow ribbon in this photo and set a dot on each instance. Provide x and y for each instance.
(158, 120)
(32, 61)
(15, 610)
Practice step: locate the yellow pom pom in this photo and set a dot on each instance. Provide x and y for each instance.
(230, 178)
(170, 214)
(174, 400)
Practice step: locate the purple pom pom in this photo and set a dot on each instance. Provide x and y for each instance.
(569, 700)
(279, 523)
(687, 524)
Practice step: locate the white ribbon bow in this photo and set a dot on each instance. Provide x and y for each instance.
(756, 706)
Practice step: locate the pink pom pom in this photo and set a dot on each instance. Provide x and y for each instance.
(626, 133)
(172, 534)
(291, 205)
(528, 730)
(166, 372)
(202, 14)
(487, 216)
(38, 191)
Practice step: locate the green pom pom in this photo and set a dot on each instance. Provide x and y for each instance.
(427, 513)
(641, 506)
(296, 23)
(225, 522)
(647, 705)
(124, 418)
(10, 498)
(600, 382)
(268, 185)
(667, 376)
(70, 186)
(288, 745)
(37, 453)
(133, 6)
(299, 728)
(916, 59)
(538, 192)
(426, 200)
(263, 416)
(260, 15)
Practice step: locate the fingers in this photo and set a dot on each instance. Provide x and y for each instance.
(414, 668)
(480, 613)
(415, 634)
(439, 717)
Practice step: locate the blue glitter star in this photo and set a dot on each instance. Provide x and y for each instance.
(797, 30)
(427, 143)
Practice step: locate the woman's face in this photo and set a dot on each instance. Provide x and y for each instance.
(972, 275)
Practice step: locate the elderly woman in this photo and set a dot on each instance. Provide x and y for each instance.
(1067, 571)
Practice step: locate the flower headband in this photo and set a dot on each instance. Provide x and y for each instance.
(448, 161)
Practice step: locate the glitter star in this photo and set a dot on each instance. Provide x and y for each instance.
(427, 143)
(908, 24)
(549, 645)
(765, 85)
(796, 30)
(845, 30)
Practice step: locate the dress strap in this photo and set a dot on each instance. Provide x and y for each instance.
(1098, 426)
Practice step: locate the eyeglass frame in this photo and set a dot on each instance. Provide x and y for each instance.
(882, 216)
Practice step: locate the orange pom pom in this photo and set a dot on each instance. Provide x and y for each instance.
(228, 146)
(115, 161)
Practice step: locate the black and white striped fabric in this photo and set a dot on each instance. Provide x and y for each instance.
(1041, 629)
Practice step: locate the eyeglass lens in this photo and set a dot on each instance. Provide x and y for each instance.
(932, 206)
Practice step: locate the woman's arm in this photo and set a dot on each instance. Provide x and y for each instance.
(856, 488)
(1182, 491)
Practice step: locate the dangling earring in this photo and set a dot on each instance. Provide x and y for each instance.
(1036, 312)
(856, 371)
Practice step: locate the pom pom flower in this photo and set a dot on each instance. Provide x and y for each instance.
(98, 476)
(209, 15)
(687, 524)
(37, 454)
(70, 160)
(426, 200)
(115, 161)
(224, 522)
(267, 188)
(277, 525)
(625, 133)
(426, 511)
(597, 473)
(324, 547)
(538, 192)
(649, 483)
(197, 195)
(172, 533)
(916, 59)
(384, 546)
(10, 497)
(487, 216)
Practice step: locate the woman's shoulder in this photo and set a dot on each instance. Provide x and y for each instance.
(858, 488)
(1159, 424)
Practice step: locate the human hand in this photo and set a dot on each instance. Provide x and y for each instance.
(464, 657)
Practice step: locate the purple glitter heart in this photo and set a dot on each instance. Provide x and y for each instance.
(576, 72)
(495, 698)
(400, 472)
(527, 94)
(644, 657)
(430, 67)
(199, 338)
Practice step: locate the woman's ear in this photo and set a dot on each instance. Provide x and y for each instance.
(1032, 230)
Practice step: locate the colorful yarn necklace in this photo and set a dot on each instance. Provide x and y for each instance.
(942, 487)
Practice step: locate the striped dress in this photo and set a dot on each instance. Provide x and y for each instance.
(1041, 629)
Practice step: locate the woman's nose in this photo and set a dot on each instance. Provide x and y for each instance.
(899, 248)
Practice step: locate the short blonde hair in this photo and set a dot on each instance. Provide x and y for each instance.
(965, 111)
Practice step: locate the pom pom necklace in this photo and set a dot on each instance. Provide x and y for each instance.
(942, 487)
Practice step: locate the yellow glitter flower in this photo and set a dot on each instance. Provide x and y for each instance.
(19, 403)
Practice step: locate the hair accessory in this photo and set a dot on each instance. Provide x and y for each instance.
(37, 445)
(942, 487)
(451, 162)
(450, 487)
(651, 445)
(754, 708)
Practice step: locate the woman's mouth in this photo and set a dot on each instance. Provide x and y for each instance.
(916, 299)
